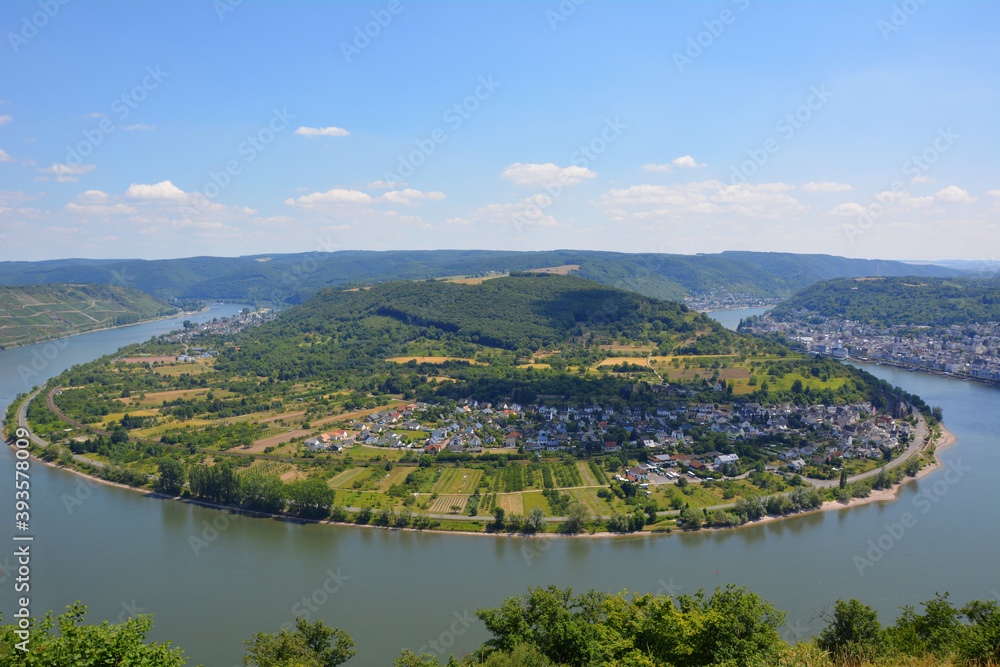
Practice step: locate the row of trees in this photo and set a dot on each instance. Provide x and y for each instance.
(553, 627)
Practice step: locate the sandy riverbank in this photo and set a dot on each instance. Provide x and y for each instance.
(946, 439)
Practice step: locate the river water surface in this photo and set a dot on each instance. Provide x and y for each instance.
(211, 579)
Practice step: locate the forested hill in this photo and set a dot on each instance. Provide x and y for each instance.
(545, 334)
(293, 278)
(522, 311)
(905, 300)
(33, 313)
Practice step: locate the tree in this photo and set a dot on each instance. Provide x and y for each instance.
(310, 498)
(935, 632)
(692, 519)
(739, 628)
(172, 477)
(843, 478)
(309, 645)
(103, 644)
(535, 522)
(498, 516)
(854, 632)
(576, 518)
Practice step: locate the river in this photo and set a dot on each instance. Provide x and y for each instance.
(209, 587)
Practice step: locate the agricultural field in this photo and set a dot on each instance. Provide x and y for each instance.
(457, 480)
(176, 369)
(445, 504)
(394, 476)
(533, 499)
(511, 503)
(345, 479)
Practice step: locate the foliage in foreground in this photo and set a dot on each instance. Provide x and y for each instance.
(552, 627)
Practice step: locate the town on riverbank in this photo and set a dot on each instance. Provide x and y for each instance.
(513, 469)
(968, 351)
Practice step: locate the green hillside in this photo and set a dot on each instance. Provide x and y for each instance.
(33, 313)
(906, 300)
(293, 278)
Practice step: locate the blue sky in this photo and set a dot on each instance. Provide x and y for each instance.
(156, 129)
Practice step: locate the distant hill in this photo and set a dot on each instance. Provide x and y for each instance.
(33, 313)
(293, 278)
(485, 336)
(899, 300)
(523, 311)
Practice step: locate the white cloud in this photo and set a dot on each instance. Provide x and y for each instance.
(954, 194)
(139, 126)
(682, 161)
(156, 191)
(640, 202)
(886, 203)
(96, 114)
(8, 197)
(826, 186)
(93, 197)
(5, 119)
(908, 201)
(993, 193)
(322, 132)
(686, 161)
(66, 173)
(540, 175)
(848, 209)
(921, 179)
(529, 211)
(386, 185)
(410, 196)
(4, 157)
(334, 196)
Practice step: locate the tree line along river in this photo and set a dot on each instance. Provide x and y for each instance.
(211, 578)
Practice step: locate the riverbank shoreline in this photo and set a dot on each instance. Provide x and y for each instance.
(185, 313)
(944, 440)
(919, 369)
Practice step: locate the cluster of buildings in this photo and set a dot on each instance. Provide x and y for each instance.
(723, 299)
(966, 350)
(222, 325)
(668, 432)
